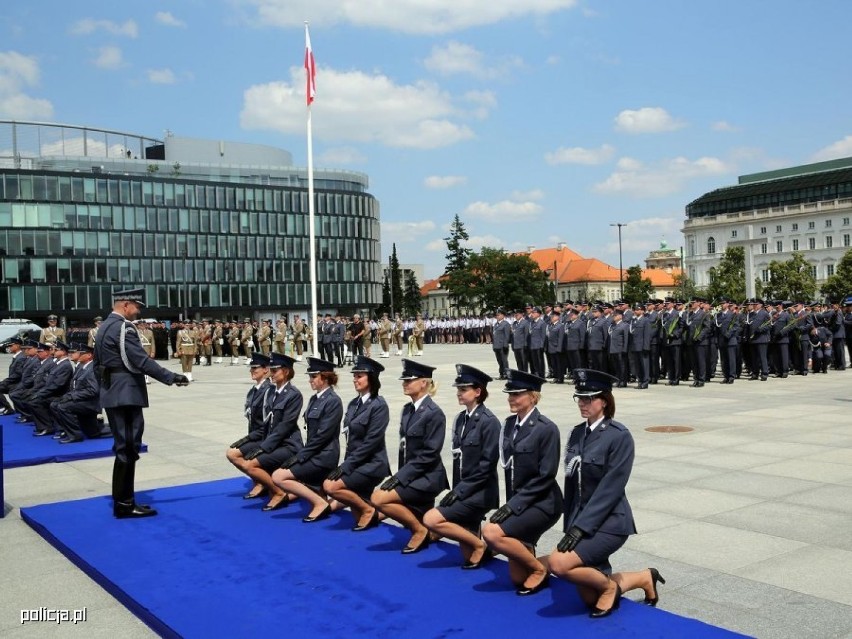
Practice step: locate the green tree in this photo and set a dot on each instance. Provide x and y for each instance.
(728, 279)
(790, 280)
(496, 278)
(458, 277)
(685, 288)
(392, 283)
(636, 288)
(839, 285)
(411, 295)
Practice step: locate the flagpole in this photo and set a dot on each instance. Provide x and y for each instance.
(313, 254)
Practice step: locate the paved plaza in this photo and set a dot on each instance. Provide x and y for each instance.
(748, 516)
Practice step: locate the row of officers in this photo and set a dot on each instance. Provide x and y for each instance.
(54, 387)
(598, 458)
(673, 341)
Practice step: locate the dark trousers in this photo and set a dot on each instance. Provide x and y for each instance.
(673, 362)
(839, 353)
(596, 361)
(781, 358)
(654, 362)
(728, 354)
(557, 365)
(502, 356)
(639, 364)
(537, 362)
(75, 420)
(127, 424)
(699, 362)
(521, 359)
(618, 366)
(759, 363)
(574, 361)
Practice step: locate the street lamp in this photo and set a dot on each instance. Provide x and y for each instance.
(620, 266)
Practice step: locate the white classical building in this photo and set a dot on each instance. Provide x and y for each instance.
(804, 209)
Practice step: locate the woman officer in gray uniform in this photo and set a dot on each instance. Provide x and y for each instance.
(475, 491)
(529, 453)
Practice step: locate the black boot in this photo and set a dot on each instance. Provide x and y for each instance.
(124, 504)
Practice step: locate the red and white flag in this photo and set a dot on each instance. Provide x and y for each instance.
(310, 68)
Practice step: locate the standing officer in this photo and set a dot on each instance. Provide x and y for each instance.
(52, 332)
(727, 327)
(279, 342)
(759, 340)
(122, 365)
(299, 332)
(385, 330)
(639, 345)
(520, 338)
(187, 348)
(501, 337)
(617, 347)
(575, 339)
(218, 340)
(537, 340)
(700, 328)
(672, 327)
(264, 337)
(234, 342)
(93, 332)
(247, 340)
(555, 346)
(596, 337)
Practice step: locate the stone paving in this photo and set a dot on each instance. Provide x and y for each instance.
(748, 516)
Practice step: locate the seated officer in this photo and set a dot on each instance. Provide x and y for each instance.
(28, 369)
(44, 362)
(76, 412)
(16, 368)
(57, 381)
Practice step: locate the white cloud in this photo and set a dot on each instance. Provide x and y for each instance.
(88, 26)
(77, 146)
(18, 71)
(405, 232)
(483, 102)
(521, 196)
(455, 58)
(478, 242)
(167, 19)
(436, 245)
(646, 120)
(408, 16)
(161, 76)
(444, 181)
(840, 149)
(341, 156)
(579, 155)
(504, 211)
(633, 178)
(109, 57)
(725, 126)
(359, 107)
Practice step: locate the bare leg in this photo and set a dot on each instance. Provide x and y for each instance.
(389, 503)
(595, 588)
(362, 510)
(524, 569)
(472, 547)
(285, 479)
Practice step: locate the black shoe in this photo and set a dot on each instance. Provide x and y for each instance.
(374, 521)
(410, 550)
(763, 378)
(250, 495)
(597, 613)
(43, 433)
(285, 501)
(655, 577)
(132, 511)
(326, 512)
(59, 435)
(523, 591)
(70, 440)
(487, 556)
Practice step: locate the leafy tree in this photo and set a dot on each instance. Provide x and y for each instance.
(396, 281)
(728, 279)
(790, 280)
(685, 287)
(458, 280)
(411, 296)
(636, 288)
(385, 306)
(496, 278)
(839, 285)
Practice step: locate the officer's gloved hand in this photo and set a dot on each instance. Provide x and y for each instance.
(449, 499)
(501, 514)
(337, 473)
(570, 540)
(254, 454)
(181, 380)
(240, 442)
(390, 483)
(289, 462)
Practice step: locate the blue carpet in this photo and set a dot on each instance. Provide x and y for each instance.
(213, 564)
(20, 448)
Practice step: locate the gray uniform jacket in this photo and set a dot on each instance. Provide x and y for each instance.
(85, 389)
(364, 425)
(501, 335)
(538, 334)
(283, 429)
(475, 465)
(520, 334)
(322, 444)
(535, 462)
(422, 435)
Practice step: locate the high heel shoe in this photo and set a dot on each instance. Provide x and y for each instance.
(374, 521)
(523, 591)
(655, 577)
(410, 550)
(486, 557)
(282, 503)
(253, 495)
(323, 515)
(597, 613)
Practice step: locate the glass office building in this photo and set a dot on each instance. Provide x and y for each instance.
(211, 228)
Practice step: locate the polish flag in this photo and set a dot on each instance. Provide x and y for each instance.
(310, 68)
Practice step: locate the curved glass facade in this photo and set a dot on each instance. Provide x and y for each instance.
(217, 248)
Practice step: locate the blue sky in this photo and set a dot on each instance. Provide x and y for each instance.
(537, 121)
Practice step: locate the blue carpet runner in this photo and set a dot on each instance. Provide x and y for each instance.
(20, 448)
(212, 564)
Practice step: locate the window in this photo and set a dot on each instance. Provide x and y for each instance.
(764, 275)
(733, 233)
(778, 229)
(763, 248)
(828, 224)
(829, 241)
(845, 221)
(795, 245)
(829, 270)
(779, 246)
(846, 239)
(711, 245)
(763, 230)
(795, 227)
(691, 246)
(811, 225)
(812, 243)
(813, 270)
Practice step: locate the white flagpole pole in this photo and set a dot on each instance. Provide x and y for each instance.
(313, 254)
